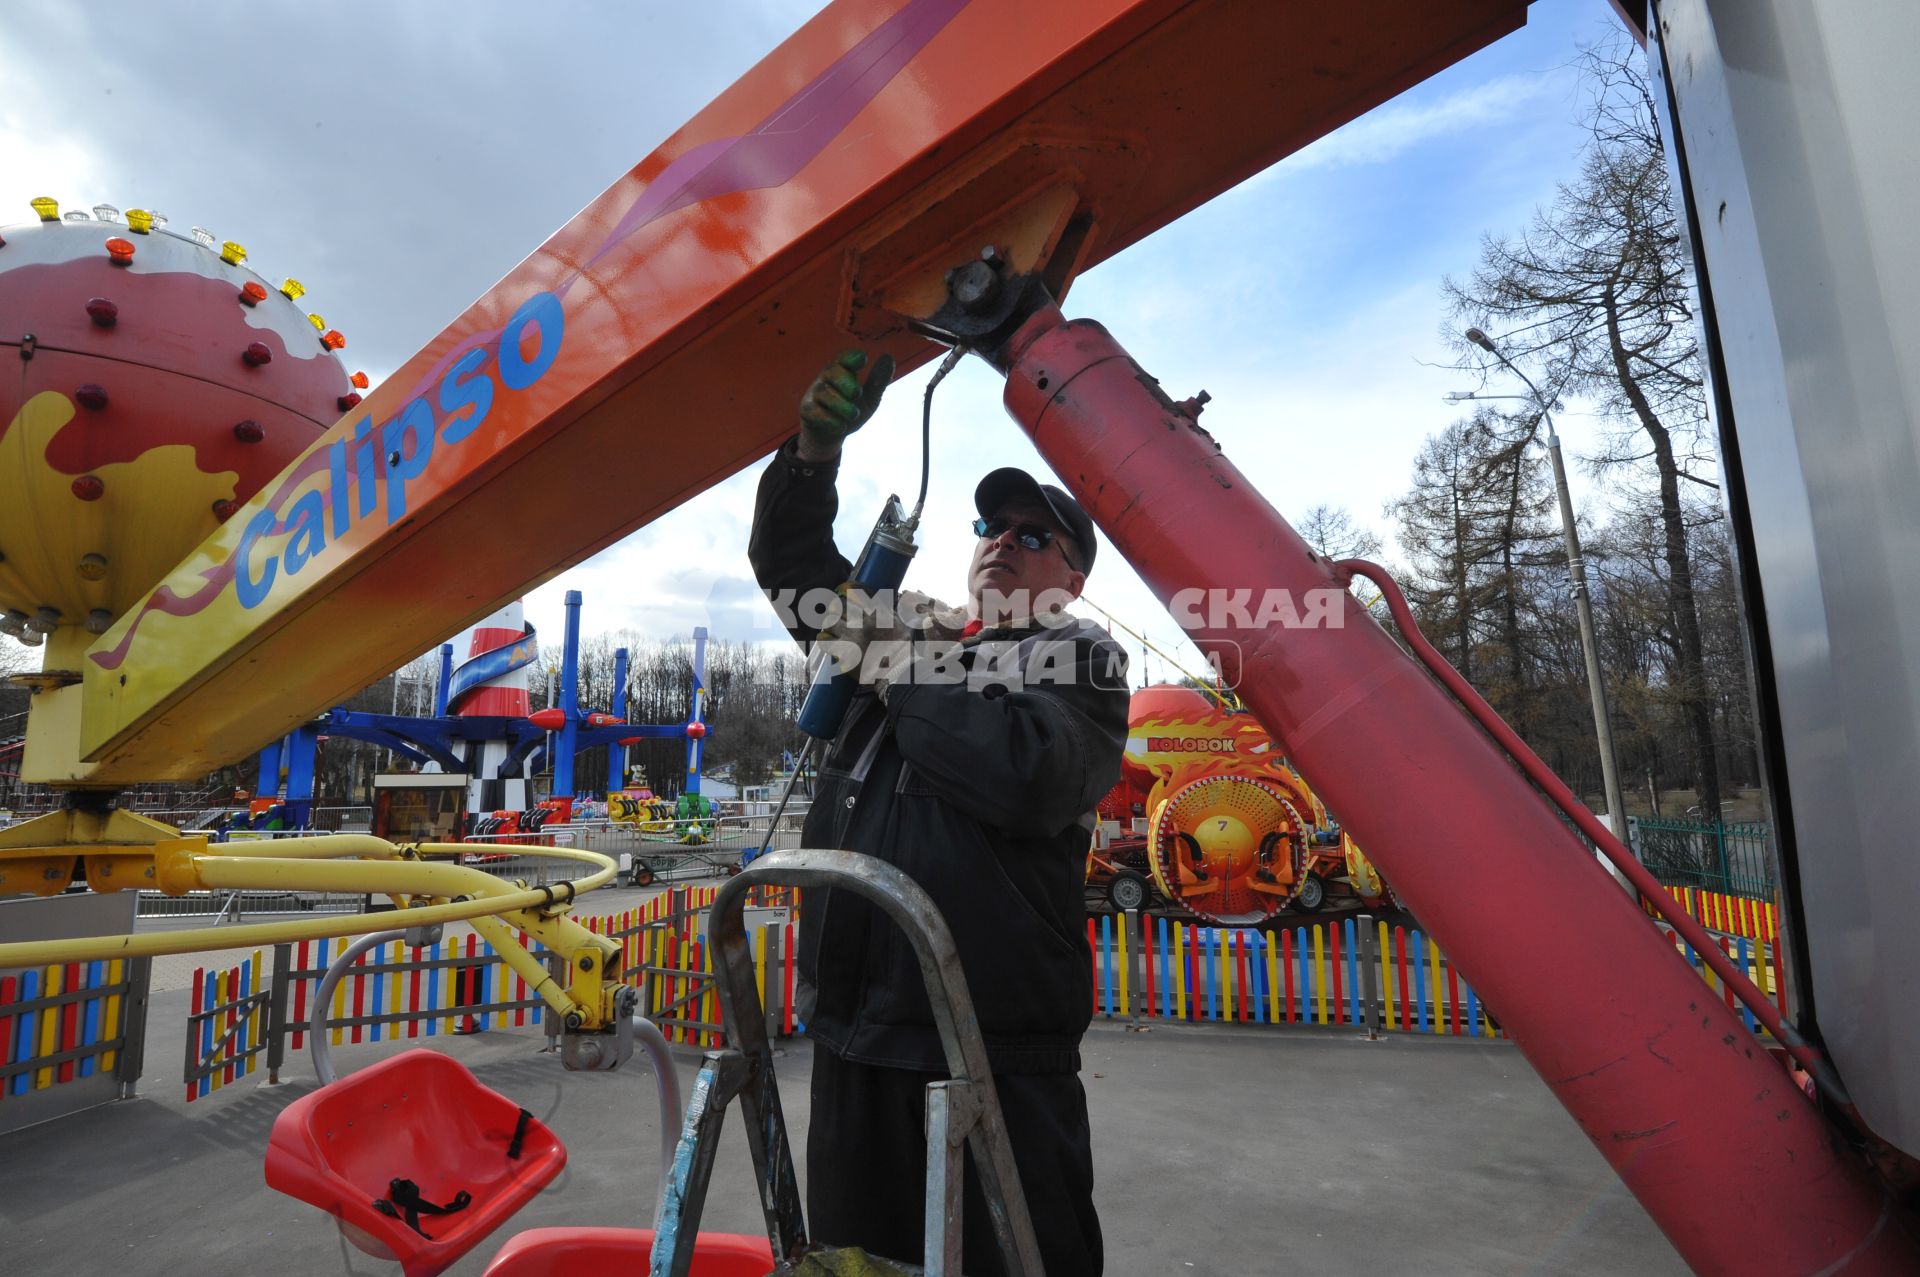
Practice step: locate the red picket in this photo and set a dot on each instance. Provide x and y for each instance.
(787, 961)
(359, 981)
(7, 1021)
(197, 1004)
(1093, 960)
(1333, 953)
(1247, 1004)
(70, 1020)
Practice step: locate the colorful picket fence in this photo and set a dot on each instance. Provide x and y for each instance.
(663, 952)
(1717, 911)
(1354, 971)
(393, 992)
(1334, 973)
(63, 1022)
(1758, 959)
(226, 1027)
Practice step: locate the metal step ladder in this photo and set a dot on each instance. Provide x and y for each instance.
(962, 1112)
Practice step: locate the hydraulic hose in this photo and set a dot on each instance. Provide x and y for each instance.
(1622, 859)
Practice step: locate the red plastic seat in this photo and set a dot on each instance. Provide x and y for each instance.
(569, 1252)
(419, 1116)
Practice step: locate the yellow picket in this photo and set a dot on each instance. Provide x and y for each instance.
(52, 982)
(1180, 971)
(110, 1013)
(1433, 982)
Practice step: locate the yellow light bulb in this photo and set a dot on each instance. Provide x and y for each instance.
(318, 323)
(139, 220)
(49, 209)
(294, 289)
(232, 254)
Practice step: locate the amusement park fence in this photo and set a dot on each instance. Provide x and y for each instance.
(1735, 915)
(1733, 859)
(1355, 971)
(74, 1023)
(463, 986)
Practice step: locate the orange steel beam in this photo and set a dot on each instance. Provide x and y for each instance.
(815, 201)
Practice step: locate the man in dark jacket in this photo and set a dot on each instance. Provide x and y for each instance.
(975, 768)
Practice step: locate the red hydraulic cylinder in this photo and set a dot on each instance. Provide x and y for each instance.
(1710, 1134)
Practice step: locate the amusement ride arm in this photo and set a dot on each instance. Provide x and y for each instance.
(457, 893)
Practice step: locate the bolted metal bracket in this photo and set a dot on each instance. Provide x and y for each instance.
(986, 302)
(605, 1049)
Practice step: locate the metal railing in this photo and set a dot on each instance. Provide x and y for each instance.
(671, 850)
(667, 851)
(341, 819)
(234, 906)
(1715, 855)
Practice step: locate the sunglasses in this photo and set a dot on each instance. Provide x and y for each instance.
(1031, 536)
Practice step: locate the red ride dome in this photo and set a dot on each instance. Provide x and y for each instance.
(134, 380)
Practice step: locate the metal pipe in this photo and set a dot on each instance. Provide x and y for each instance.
(155, 944)
(1659, 1073)
(323, 998)
(667, 1089)
(1582, 600)
(1589, 644)
(317, 847)
(530, 969)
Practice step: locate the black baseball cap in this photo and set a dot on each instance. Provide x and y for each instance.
(1010, 483)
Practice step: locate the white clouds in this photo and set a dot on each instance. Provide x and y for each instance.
(1397, 128)
(40, 154)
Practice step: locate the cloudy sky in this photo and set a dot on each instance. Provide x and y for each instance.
(400, 158)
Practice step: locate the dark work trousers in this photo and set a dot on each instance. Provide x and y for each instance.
(867, 1166)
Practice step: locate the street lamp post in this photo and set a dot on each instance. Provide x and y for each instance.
(1582, 603)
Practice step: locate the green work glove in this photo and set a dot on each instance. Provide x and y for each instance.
(836, 404)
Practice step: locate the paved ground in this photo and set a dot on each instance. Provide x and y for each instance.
(1219, 1151)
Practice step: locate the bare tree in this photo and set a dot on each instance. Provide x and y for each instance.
(1477, 529)
(1331, 531)
(17, 658)
(1596, 296)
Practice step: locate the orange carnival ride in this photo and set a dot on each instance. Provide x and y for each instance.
(1209, 812)
(919, 177)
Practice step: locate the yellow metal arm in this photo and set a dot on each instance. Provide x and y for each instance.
(431, 893)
